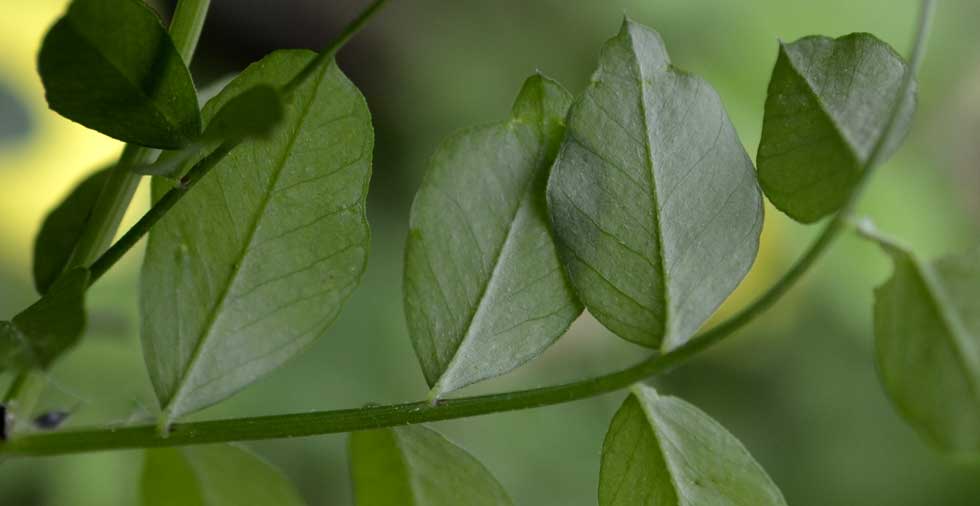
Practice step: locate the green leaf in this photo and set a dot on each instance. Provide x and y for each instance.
(828, 105)
(49, 327)
(62, 228)
(255, 263)
(253, 113)
(111, 66)
(653, 198)
(417, 466)
(927, 344)
(213, 475)
(484, 289)
(662, 451)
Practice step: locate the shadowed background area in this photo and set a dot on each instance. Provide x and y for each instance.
(798, 386)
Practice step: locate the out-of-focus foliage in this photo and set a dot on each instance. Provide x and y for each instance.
(798, 388)
(927, 343)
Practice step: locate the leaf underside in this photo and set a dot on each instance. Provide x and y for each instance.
(484, 289)
(662, 451)
(416, 466)
(828, 104)
(653, 199)
(213, 475)
(111, 66)
(256, 262)
(927, 344)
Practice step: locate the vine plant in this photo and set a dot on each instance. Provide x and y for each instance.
(634, 200)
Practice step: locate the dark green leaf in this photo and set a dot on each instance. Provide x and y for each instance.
(662, 451)
(111, 66)
(255, 263)
(484, 289)
(829, 103)
(417, 466)
(62, 229)
(213, 475)
(653, 198)
(49, 327)
(253, 113)
(927, 344)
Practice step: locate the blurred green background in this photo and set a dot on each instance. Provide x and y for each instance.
(798, 386)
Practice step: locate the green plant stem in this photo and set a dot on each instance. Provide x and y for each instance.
(112, 255)
(369, 417)
(120, 186)
(186, 26)
(159, 209)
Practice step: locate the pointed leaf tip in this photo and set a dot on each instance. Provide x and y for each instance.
(507, 299)
(652, 194)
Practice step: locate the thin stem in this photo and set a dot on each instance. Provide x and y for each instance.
(331, 50)
(162, 206)
(118, 191)
(347, 420)
(121, 185)
(186, 25)
(13, 390)
(105, 262)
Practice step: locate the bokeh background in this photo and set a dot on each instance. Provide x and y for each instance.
(798, 386)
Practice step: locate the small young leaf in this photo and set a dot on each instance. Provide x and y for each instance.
(484, 289)
(417, 466)
(653, 198)
(49, 327)
(256, 262)
(62, 228)
(927, 344)
(111, 66)
(662, 451)
(828, 104)
(213, 475)
(253, 113)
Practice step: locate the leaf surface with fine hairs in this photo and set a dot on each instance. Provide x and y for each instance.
(255, 263)
(484, 289)
(654, 201)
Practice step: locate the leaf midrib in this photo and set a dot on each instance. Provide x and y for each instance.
(439, 389)
(646, 405)
(403, 460)
(809, 87)
(176, 396)
(175, 125)
(654, 197)
(955, 328)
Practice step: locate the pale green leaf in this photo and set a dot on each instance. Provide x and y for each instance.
(48, 328)
(927, 344)
(484, 289)
(653, 198)
(111, 66)
(62, 228)
(828, 105)
(255, 263)
(662, 451)
(213, 475)
(416, 466)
